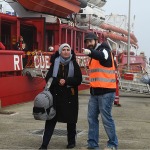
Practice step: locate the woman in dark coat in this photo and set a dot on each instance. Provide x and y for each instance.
(67, 77)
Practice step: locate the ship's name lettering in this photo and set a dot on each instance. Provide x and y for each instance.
(133, 60)
(42, 62)
(18, 62)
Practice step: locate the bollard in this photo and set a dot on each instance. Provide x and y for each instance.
(116, 102)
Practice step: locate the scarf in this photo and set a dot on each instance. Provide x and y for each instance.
(65, 62)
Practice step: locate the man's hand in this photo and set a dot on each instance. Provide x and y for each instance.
(86, 51)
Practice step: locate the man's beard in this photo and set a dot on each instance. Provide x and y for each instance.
(92, 46)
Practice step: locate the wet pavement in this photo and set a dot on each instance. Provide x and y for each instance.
(19, 130)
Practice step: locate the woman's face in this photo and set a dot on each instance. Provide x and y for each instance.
(65, 52)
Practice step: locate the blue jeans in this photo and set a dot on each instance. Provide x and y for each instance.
(101, 104)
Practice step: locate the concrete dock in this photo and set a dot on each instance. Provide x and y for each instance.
(19, 130)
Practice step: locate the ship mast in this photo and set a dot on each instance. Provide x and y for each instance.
(128, 48)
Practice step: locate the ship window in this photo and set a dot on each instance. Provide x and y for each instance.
(83, 15)
(81, 11)
(102, 18)
(94, 15)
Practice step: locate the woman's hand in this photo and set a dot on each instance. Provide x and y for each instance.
(62, 82)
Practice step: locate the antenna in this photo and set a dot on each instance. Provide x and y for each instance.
(132, 25)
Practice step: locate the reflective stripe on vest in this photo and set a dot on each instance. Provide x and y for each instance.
(100, 76)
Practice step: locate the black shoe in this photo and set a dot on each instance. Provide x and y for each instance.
(69, 146)
(43, 147)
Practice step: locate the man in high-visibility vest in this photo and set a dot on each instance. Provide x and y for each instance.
(102, 90)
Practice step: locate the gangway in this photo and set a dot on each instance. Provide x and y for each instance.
(134, 84)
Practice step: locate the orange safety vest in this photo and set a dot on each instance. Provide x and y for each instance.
(100, 76)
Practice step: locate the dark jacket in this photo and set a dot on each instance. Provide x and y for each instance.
(99, 55)
(65, 98)
(17, 46)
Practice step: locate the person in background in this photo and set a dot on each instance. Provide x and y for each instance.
(50, 48)
(67, 77)
(21, 45)
(2, 47)
(102, 90)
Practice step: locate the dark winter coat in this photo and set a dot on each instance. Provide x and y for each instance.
(65, 98)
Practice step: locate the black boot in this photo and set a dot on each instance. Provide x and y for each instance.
(71, 136)
(43, 147)
(69, 146)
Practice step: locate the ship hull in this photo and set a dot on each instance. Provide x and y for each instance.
(19, 89)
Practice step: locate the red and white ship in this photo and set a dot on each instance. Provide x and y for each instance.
(44, 25)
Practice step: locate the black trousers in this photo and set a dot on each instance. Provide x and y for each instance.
(49, 129)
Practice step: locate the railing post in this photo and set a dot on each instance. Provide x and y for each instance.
(0, 105)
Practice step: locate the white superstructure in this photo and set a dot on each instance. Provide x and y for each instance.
(22, 12)
(89, 17)
(98, 3)
(92, 16)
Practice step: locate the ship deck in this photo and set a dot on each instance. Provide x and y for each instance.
(18, 129)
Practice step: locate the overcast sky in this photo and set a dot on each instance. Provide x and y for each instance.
(141, 10)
